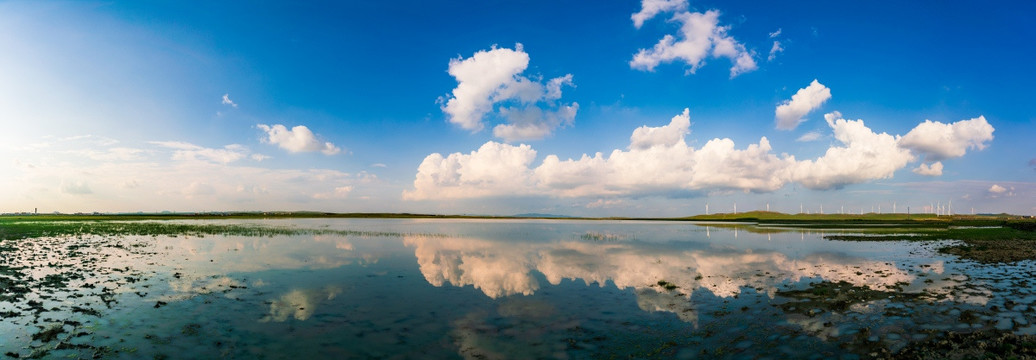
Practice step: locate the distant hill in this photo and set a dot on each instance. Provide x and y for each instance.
(538, 215)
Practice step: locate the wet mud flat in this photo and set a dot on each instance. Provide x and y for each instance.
(62, 296)
(54, 289)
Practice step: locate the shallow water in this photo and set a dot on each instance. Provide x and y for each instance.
(500, 289)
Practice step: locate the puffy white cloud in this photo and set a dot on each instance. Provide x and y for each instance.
(866, 155)
(659, 161)
(774, 50)
(493, 77)
(298, 139)
(790, 112)
(938, 141)
(997, 191)
(700, 36)
(646, 137)
(494, 169)
(935, 169)
(650, 8)
(227, 101)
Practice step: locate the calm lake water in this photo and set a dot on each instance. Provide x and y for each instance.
(504, 289)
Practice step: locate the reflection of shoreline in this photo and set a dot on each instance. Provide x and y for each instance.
(501, 269)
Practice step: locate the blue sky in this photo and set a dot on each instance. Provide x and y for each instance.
(489, 107)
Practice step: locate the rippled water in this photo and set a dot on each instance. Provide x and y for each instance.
(502, 289)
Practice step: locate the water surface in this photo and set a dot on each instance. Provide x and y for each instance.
(405, 288)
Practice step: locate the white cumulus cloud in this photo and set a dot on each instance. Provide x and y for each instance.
(699, 37)
(938, 141)
(935, 169)
(298, 139)
(659, 161)
(997, 189)
(494, 169)
(790, 112)
(865, 155)
(492, 77)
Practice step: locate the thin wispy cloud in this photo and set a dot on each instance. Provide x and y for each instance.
(227, 101)
(810, 136)
(184, 151)
(776, 48)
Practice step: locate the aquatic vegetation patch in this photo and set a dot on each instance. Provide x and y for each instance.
(602, 237)
(667, 285)
(1004, 244)
(987, 344)
(835, 296)
(14, 229)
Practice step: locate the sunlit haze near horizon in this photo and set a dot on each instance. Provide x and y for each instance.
(617, 108)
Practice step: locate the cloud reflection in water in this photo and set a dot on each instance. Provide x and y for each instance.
(504, 268)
